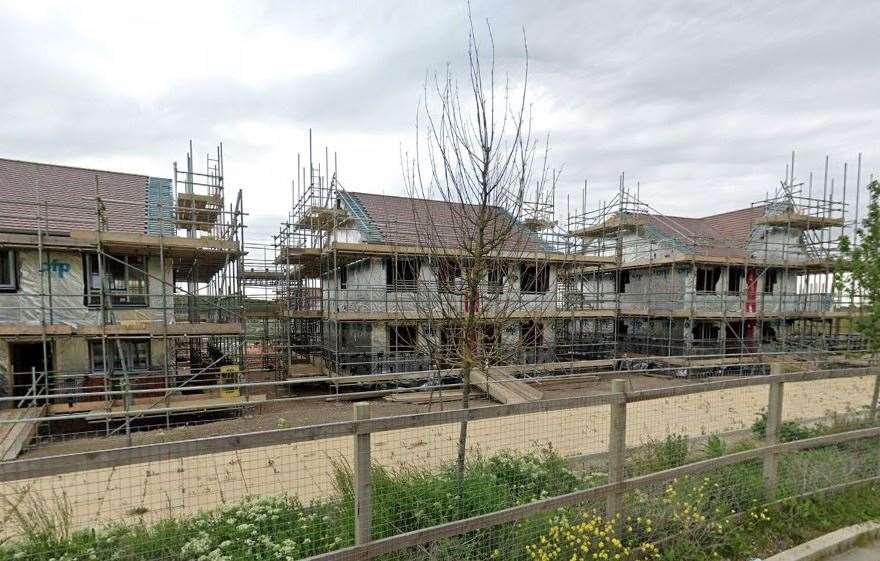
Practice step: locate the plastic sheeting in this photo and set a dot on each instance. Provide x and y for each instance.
(64, 292)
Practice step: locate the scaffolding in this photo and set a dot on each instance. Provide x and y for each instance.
(734, 285)
(631, 284)
(336, 298)
(124, 328)
(338, 251)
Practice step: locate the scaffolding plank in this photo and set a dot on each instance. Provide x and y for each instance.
(136, 328)
(123, 240)
(21, 433)
(518, 314)
(425, 397)
(800, 220)
(504, 387)
(378, 249)
(148, 406)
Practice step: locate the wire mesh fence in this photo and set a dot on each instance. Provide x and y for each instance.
(535, 480)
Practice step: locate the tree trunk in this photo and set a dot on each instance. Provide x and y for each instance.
(462, 434)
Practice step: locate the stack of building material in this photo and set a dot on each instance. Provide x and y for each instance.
(160, 207)
(502, 386)
(425, 397)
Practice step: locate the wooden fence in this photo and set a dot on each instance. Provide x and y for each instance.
(361, 427)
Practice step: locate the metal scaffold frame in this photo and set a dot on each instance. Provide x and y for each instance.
(792, 234)
(732, 325)
(166, 308)
(286, 313)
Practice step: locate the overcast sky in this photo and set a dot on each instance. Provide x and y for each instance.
(702, 103)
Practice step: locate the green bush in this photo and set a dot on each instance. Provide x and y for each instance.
(688, 519)
(280, 527)
(659, 455)
(715, 446)
(789, 431)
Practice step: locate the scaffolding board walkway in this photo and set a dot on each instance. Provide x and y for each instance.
(14, 436)
(503, 387)
(98, 411)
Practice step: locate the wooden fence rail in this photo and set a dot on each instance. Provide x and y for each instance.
(117, 457)
(362, 426)
(617, 485)
(458, 527)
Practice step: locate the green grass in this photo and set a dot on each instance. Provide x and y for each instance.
(280, 528)
(782, 527)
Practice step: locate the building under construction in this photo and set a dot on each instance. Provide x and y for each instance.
(753, 280)
(120, 296)
(621, 284)
(129, 301)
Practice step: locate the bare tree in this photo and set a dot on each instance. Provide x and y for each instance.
(474, 181)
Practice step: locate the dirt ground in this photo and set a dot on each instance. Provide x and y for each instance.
(303, 413)
(147, 492)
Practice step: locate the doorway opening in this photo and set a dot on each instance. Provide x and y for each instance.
(27, 358)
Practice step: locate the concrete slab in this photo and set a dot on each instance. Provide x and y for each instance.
(870, 552)
(837, 545)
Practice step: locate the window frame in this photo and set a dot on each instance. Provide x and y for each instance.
(448, 274)
(118, 298)
(490, 339)
(129, 350)
(621, 281)
(771, 279)
(12, 269)
(705, 331)
(540, 283)
(342, 277)
(709, 273)
(531, 334)
(401, 274)
(399, 341)
(496, 275)
(737, 273)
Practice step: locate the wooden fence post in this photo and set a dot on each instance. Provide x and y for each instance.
(363, 487)
(616, 447)
(876, 397)
(774, 421)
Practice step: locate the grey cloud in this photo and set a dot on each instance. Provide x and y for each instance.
(702, 103)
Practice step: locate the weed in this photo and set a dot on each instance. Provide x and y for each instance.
(37, 518)
(659, 455)
(715, 446)
(789, 431)
(689, 519)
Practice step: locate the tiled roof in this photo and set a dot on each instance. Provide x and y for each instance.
(414, 221)
(717, 235)
(70, 194)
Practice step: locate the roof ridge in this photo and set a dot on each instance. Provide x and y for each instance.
(441, 201)
(66, 166)
(732, 211)
(679, 217)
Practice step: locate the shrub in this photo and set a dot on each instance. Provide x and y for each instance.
(265, 528)
(659, 455)
(789, 431)
(587, 536)
(531, 476)
(715, 446)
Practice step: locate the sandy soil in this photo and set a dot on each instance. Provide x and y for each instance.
(302, 413)
(150, 491)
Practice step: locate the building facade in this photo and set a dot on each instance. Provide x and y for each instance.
(116, 289)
